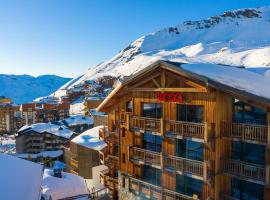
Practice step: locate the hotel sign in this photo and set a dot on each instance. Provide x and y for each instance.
(170, 97)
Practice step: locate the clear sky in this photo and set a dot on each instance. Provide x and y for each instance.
(66, 37)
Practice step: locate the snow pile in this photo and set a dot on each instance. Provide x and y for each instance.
(54, 129)
(80, 119)
(20, 179)
(66, 187)
(90, 139)
(231, 38)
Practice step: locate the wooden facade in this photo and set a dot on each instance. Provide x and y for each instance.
(217, 131)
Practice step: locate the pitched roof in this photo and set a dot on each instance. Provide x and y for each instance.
(20, 179)
(234, 80)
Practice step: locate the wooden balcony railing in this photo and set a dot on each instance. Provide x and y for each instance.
(151, 191)
(145, 123)
(245, 132)
(73, 163)
(112, 138)
(244, 170)
(184, 165)
(145, 156)
(185, 129)
(108, 181)
(124, 117)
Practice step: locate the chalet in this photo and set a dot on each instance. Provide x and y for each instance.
(188, 131)
(83, 153)
(42, 137)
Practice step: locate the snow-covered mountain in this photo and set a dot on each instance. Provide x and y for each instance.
(239, 38)
(25, 88)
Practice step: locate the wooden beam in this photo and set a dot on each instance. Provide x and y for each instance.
(169, 89)
(156, 83)
(145, 80)
(170, 82)
(163, 79)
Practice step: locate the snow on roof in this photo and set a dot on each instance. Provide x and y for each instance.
(44, 154)
(74, 120)
(69, 185)
(90, 139)
(20, 179)
(238, 78)
(54, 129)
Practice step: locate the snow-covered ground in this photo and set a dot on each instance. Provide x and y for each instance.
(238, 38)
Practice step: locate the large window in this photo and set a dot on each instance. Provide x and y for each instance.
(244, 113)
(152, 110)
(151, 175)
(189, 149)
(245, 190)
(152, 142)
(190, 113)
(247, 152)
(189, 186)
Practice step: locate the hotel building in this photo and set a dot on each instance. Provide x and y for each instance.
(188, 131)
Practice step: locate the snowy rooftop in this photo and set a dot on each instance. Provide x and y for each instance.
(90, 139)
(74, 120)
(44, 154)
(69, 185)
(20, 179)
(238, 78)
(54, 129)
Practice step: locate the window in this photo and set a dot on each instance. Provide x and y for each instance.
(189, 149)
(152, 142)
(244, 113)
(123, 158)
(190, 113)
(152, 110)
(246, 190)
(247, 152)
(152, 175)
(129, 106)
(123, 182)
(188, 186)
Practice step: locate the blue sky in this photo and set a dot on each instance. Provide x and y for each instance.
(66, 37)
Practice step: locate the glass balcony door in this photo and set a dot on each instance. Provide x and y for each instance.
(190, 113)
(152, 110)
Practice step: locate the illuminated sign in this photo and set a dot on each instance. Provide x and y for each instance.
(170, 97)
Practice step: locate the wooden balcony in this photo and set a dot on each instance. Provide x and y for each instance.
(181, 129)
(145, 124)
(107, 180)
(150, 191)
(145, 157)
(112, 138)
(245, 132)
(185, 166)
(73, 163)
(244, 170)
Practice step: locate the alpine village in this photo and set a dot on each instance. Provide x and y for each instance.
(158, 121)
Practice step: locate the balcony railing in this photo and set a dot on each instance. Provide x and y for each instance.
(124, 117)
(244, 170)
(145, 123)
(112, 138)
(108, 181)
(185, 129)
(245, 132)
(74, 163)
(184, 165)
(145, 156)
(151, 191)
